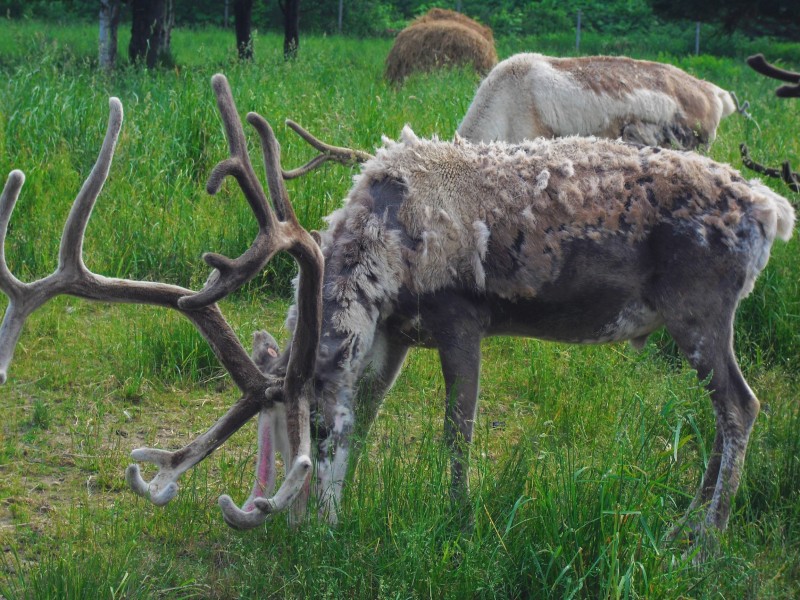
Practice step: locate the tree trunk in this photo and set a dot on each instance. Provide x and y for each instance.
(243, 11)
(291, 19)
(109, 26)
(151, 28)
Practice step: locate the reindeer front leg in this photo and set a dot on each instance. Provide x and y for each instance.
(458, 337)
(333, 453)
(461, 368)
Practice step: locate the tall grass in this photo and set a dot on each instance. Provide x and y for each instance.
(583, 457)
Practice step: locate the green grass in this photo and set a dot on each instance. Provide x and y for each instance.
(583, 457)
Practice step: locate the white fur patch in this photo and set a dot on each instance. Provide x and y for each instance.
(567, 169)
(634, 321)
(331, 472)
(542, 179)
(482, 233)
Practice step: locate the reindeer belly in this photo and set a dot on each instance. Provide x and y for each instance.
(596, 292)
(607, 316)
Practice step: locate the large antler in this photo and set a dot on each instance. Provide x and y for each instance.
(282, 402)
(759, 64)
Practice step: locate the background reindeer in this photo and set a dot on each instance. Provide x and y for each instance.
(531, 95)
(441, 244)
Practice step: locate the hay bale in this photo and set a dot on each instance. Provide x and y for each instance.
(433, 43)
(442, 14)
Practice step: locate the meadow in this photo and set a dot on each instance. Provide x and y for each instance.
(584, 456)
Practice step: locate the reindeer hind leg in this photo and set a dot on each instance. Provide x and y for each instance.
(709, 349)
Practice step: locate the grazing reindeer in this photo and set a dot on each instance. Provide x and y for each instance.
(531, 95)
(441, 244)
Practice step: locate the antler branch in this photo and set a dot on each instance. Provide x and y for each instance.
(785, 172)
(230, 274)
(345, 156)
(289, 395)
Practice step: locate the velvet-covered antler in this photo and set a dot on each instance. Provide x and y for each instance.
(791, 178)
(759, 64)
(282, 401)
(345, 156)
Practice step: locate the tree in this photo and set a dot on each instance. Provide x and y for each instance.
(151, 27)
(243, 12)
(759, 16)
(291, 20)
(109, 25)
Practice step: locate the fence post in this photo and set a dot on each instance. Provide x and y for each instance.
(578, 34)
(341, 10)
(697, 39)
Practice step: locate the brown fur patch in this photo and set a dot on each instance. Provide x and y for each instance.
(529, 95)
(538, 196)
(620, 76)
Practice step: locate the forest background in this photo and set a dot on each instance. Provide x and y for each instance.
(505, 17)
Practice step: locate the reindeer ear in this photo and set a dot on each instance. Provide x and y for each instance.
(265, 349)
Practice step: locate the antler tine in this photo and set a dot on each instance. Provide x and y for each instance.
(231, 274)
(791, 178)
(788, 91)
(71, 250)
(10, 285)
(271, 150)
(238, 164)
(345, 156)
(759, 64)
(8, 199)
